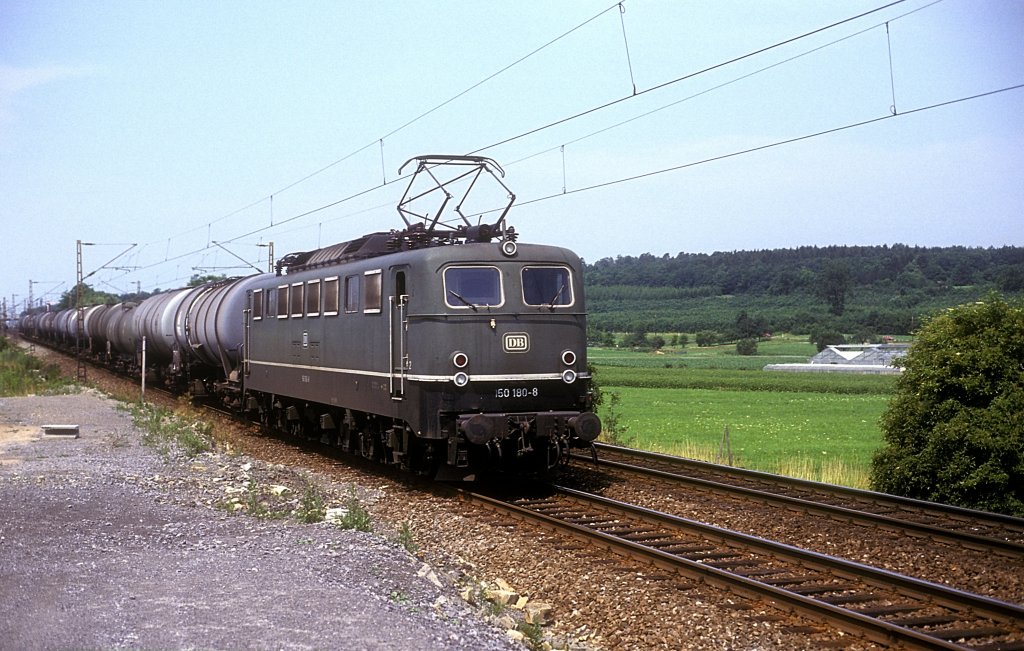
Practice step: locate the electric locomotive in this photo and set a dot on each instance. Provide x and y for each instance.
(442, 352)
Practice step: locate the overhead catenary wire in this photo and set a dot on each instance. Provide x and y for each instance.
(618, 6)
(276, 224)
(778, 143)
(724, 84)
(402, 127)
(609, 104)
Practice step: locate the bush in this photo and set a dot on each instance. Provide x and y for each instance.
(822, 339)
(706, 338)
(746, 347)
(954, 430)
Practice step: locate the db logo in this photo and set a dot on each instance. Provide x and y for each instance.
(516, 342)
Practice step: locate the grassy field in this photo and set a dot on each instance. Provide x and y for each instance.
(816, 426)
(779, 350)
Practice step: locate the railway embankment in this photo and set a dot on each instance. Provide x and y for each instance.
(107, 542)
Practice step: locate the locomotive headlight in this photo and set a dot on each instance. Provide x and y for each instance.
(461, 379)
(460, 360)
(568, 357)
(568, 376)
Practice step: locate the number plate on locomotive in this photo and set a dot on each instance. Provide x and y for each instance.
(516, 392)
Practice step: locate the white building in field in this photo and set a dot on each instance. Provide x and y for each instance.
(850, 358)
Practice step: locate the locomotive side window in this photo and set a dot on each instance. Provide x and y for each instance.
(296, 299)
(282, 302)
(472, 287)
(372, 291)
(313, 298)
(550, 286)
(330, 296)
(257, 304)
(352, 294)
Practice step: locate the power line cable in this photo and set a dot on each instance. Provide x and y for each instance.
(617, 181)
(409, 123)
(677, 80)
(598, 108)
(771, 145)
(727, 83)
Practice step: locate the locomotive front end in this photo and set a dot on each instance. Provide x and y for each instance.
(510, 348)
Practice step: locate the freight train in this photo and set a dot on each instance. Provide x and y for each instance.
(432, 348)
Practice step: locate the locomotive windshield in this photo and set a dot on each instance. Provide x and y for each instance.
(549, 286)
(472, 287)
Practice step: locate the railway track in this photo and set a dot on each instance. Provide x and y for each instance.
(977, 530)
(882, 606)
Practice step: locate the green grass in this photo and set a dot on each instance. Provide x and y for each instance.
(312, 508)
(785, 349)
(21, 374)
(766, 429)
(167, 431)
(742, 380)
(810, 425)
(356, 516)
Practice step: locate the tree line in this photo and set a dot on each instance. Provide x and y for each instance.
(880, 289)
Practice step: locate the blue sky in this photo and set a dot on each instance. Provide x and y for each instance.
(171, 124)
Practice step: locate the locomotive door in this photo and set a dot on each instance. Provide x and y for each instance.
(399, 332)
(253, 306)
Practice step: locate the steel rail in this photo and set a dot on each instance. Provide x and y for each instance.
(848, 620)
(966, 517)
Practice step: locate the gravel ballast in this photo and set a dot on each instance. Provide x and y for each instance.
(109, 543)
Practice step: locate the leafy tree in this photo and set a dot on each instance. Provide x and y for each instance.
(833, 285)
(826, 337)
(954, 430)
(90, 296)
(636, 339)
(746, 347)
(1011, 279)
(657, 342)
(679, 339)
(197, 279)
(706, 338)
(865, 336)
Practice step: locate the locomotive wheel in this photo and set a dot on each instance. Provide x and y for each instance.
(367, 446)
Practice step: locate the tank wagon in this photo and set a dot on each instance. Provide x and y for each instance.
(435, 349)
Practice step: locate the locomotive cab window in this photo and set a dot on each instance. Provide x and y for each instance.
(330, 296)
(282, 302)
(372, 291)
(472, 287)
(313, 298)
(257, 304)
(547, 286)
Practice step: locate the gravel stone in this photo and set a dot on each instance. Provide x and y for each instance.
(106, 543)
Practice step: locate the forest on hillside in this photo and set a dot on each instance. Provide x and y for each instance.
(857, 290)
